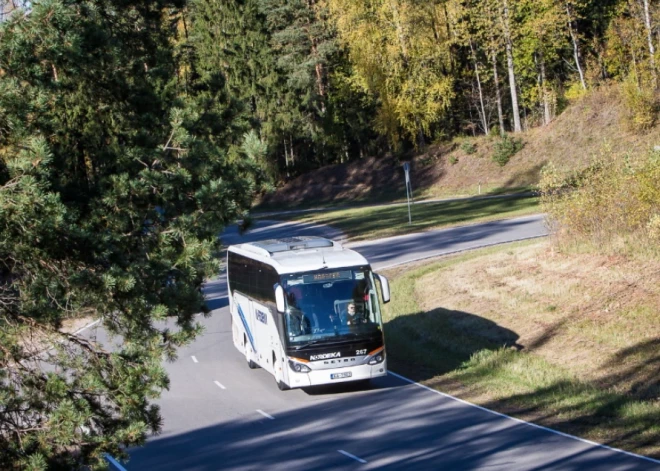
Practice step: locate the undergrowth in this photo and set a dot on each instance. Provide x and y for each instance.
(505, 148)
(614, 204)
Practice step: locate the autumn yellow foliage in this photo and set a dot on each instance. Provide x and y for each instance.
(613, 200)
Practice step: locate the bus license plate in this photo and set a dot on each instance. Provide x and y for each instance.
(348, 374)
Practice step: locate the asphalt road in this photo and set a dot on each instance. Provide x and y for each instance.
(220, 415)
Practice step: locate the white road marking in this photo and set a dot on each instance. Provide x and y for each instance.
(219, 385)
(87, 326)
(556, 432)
(268, 416)
(194, 359)
(345, 453)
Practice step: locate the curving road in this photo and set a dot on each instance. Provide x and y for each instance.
(221, 415)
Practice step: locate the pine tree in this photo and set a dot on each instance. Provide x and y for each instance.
(115, 180)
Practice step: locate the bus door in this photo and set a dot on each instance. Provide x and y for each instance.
(244, 317)
(265, 333)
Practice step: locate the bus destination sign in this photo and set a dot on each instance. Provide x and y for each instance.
(327, 276)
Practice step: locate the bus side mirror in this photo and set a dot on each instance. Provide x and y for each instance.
(279, 297)
(384, 288)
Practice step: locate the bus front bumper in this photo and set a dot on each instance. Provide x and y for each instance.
(336, 375)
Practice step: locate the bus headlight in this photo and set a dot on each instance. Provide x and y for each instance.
(299, 367)
(379, 358)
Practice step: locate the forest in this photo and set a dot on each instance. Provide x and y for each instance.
(132, 132)
(325, 81)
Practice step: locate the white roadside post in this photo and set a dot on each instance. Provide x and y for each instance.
(406, 169)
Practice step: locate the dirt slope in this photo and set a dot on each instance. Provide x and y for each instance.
(593, 125)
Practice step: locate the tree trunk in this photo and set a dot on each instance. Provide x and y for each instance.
(286, 158)
(498, 95)
(482, 111)
(649, 36)
(576, 47)
(512, 76)
(293, 160)
(399, 30)
(544, 95)
(318, 67)
(319, 77)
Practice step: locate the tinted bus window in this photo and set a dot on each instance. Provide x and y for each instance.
(252, 278)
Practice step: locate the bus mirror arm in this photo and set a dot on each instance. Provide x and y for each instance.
(385, 288)
(279, 297)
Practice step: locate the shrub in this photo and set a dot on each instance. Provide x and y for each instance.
(506, 148)
(453, 160)
(640, 104)
(468, 147)
(612, 200)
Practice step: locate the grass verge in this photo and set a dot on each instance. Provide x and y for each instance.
(567, 341)
(375, 222)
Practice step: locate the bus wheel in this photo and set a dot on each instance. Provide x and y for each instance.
(251, 364)
(281, 385)
(363, 383)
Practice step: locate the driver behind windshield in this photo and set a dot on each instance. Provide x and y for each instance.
(352, 316)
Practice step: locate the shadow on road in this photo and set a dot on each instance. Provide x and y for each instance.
(391, 429)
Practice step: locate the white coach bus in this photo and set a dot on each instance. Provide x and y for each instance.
(306, 310)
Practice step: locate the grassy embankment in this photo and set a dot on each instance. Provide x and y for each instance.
(378, 221)
(563, 339)
(565, 332)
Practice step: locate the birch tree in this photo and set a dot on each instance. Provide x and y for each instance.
(571, 22)
(506, 21)
(408, 73)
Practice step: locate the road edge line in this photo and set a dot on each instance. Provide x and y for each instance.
(91, 324)
(268, 416)
(520, 421)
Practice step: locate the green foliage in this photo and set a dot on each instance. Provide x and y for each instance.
(287, 76)
(453, 159)
(320, 81)
(505, 148)
(245, 224)
(468, 147)
(117, 172)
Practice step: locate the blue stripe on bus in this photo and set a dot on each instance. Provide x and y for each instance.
(245, 324)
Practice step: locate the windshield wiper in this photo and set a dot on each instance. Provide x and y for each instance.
(300, 347)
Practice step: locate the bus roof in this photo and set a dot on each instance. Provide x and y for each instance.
(298, 254)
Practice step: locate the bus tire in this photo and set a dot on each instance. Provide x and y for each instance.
(251, 364)
(363, 383)
(282, 386)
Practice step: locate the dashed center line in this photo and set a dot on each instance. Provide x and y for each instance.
(194, 359)
(219, 384)
(268, 416)
(345, 453)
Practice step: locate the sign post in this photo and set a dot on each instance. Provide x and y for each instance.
(406, 169)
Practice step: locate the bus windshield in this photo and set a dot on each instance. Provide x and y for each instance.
(331, 305)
